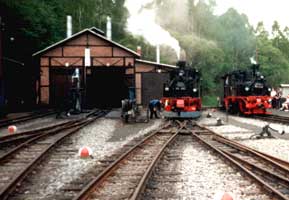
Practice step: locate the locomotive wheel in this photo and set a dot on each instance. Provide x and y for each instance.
(243, 106)
(234, 108)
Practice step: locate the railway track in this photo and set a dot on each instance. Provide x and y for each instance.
(273, 118)
(7, 122)
(271, 174)
(8, 142)
(16, 164)
(269, 118)
(129, 172)
(127, 175)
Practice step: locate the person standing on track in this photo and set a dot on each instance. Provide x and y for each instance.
(154, 106)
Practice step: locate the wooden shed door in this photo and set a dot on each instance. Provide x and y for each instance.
(152, 86)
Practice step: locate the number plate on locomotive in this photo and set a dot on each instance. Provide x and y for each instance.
(259, 85)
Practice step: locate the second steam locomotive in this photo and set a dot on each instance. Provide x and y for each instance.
(246, 92)
(182, 94)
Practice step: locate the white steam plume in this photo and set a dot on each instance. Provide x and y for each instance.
(142, 22)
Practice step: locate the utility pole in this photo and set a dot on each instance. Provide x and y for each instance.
(2, 99)
(1, 53)
(257, 54)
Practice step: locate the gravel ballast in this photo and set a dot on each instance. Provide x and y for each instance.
(190, 171)
(274, 146)
(49, 182)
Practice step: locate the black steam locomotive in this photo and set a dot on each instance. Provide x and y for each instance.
(182, 94)
(246, 92)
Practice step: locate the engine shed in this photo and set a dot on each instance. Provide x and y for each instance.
(108, 71)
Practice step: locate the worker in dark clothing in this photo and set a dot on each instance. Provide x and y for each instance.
(64, 106)
(154, 106)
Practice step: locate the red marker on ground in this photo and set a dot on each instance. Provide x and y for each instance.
(12, 129)
(226, 196)
(85, 152)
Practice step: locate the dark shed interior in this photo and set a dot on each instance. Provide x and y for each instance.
(106, 87)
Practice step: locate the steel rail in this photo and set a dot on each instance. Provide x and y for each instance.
(32, 133)
(142, 184)
(255, 153)
(85, 193)
(39, 136)
(267, 174)
(73, 128)
(279, 162)
(28, 134)
(239, 165)
(8, 122)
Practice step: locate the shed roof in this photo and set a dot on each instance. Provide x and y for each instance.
(94, 31)
(156, 64)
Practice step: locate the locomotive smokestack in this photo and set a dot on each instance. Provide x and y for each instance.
(108, 28)
(182, 56)
(69, 26)
(253, 61)
(158, 53)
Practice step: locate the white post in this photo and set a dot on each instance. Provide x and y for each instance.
(108, 28)
(87, 62)
(158, 53)
(69, 26)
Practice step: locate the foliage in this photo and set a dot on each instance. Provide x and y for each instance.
(209, 100)
(40, 23)
(31, 25)
(218, 44)
(272, 54)
(214, 44)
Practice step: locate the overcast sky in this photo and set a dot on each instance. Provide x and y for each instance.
(257, 10)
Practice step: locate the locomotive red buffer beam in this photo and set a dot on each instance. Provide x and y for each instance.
(181, 107)
(250, 105)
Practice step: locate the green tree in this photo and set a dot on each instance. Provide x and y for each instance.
(274, 63)
(236, 38)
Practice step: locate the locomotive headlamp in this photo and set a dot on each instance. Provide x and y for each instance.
(195, 90)
(269, 89)
(167, 88)
(181, 73)
(247, 89)
(262, 77)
